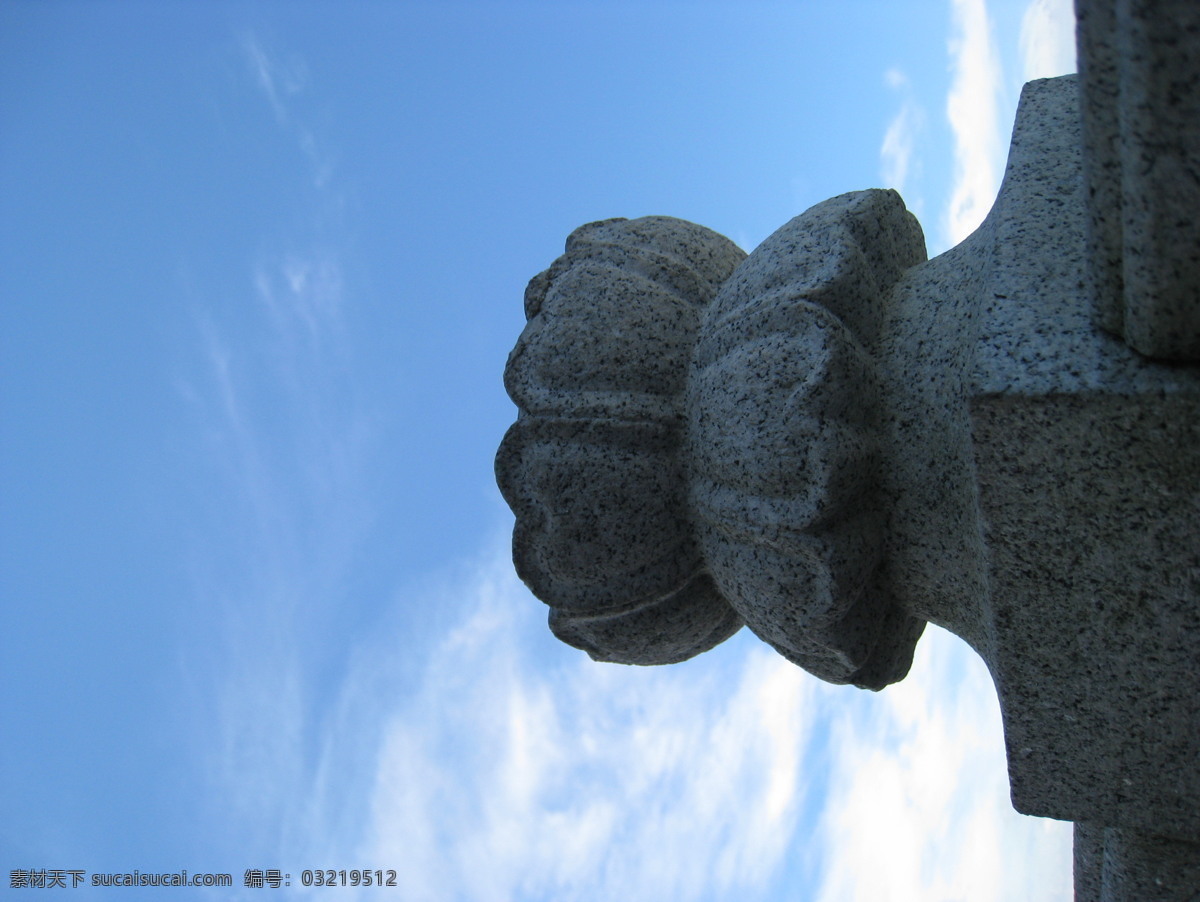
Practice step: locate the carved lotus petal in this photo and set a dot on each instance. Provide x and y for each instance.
(592, 467)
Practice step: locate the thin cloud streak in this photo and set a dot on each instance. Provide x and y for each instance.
(277, 81)
(292, 510)
(289, 511)
(973, 109)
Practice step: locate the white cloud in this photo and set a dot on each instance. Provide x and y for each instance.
(927, 815)
(267, 574)
(1048, 39)
(973, 108)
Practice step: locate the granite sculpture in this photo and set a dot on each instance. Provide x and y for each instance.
(835, 441)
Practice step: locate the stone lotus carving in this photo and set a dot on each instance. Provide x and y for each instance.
(834, 445)
(697, 440)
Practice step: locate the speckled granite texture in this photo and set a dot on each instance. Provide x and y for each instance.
(1139, 63)
(1088, 469)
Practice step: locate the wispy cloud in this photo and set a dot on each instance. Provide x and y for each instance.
(899, 141)
(284, 443)
(281, 82)
(973, 109)
(303, 293)
(278, 80)
(1048, 39)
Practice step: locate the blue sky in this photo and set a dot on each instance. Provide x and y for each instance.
(260, 268)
